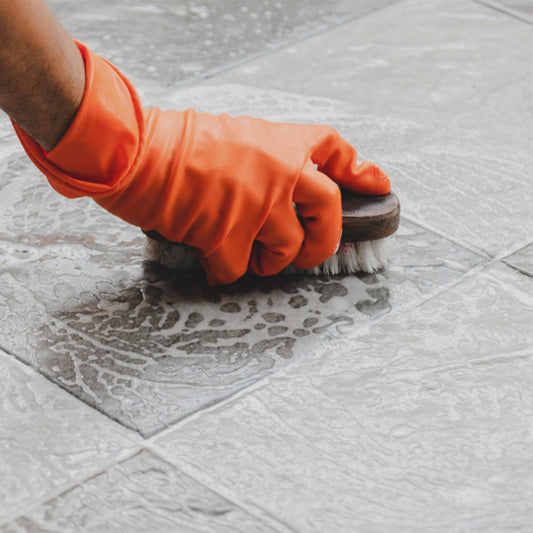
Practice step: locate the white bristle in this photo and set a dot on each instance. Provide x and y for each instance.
(367, 256)
(349, 257)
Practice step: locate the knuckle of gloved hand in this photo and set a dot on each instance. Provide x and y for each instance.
(331, 195)
(331, 134)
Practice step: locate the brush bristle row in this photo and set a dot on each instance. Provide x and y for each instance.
(367, 256)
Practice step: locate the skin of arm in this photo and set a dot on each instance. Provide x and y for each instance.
(42, 75)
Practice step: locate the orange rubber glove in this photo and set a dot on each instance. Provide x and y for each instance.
(226, 186)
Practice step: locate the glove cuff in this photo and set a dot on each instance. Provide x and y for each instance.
(103, 142)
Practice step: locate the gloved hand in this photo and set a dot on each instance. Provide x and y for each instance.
(226, 186)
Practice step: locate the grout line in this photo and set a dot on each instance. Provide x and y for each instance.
(402, 308)
(128, 454)
(507, 10)
(14, 355)
(467, 246)
(518, 269)
(38, 373)
(189, 470)
(68, 486)
(27, 366)
(214, 406)
(215, 71)
(476, 269)
(518, 248)
(513, 287)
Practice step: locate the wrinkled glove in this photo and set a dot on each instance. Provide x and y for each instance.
(245, 193)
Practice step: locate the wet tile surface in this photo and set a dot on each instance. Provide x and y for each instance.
(48, 439)
(399, 401)
(32, 213)
(147, 346)
(181, 40)
(153, 496)
(518, 8)
(522, 260)
(422, 424)
(430, 99)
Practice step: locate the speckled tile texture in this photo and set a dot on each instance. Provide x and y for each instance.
(166, 42)
(421, 424)
(148, 347)
(153, 496)
(133, 398)
(48, 439)
(522, 260)
(522, 9)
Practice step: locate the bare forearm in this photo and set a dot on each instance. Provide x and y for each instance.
(42, 77)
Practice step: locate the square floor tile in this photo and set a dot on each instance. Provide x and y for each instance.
(421, 424)
(141, 494)
(48, 439)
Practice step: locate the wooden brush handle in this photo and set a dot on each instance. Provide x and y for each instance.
(364, 218)
(367, 218)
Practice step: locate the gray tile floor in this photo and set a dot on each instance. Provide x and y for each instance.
(135, 399)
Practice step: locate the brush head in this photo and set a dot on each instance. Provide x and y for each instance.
(368, 218)
(367, 224)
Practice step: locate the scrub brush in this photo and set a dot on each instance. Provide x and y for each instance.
(367, 224)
